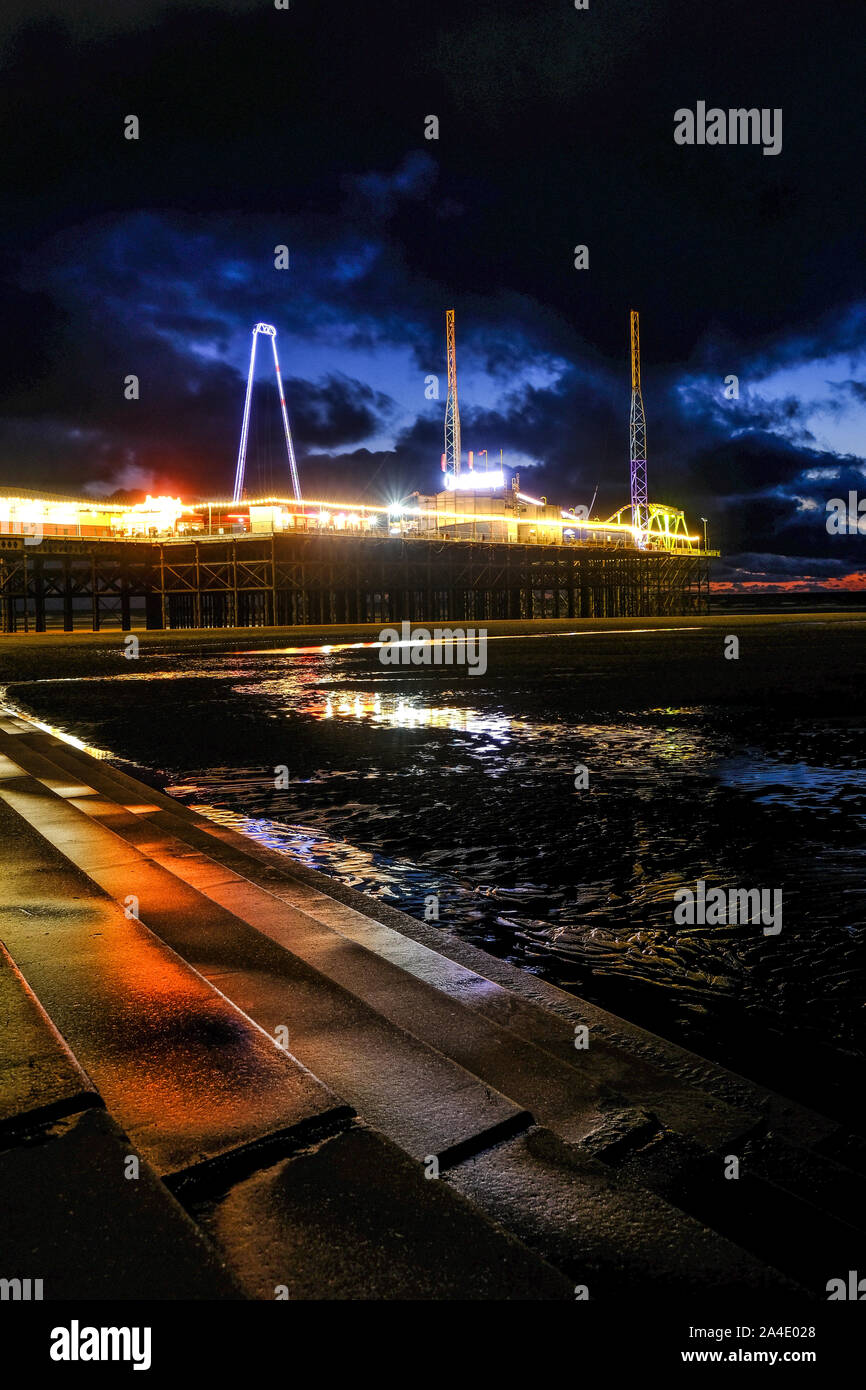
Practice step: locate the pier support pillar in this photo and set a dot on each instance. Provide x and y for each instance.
(39, 593)
(68, 611)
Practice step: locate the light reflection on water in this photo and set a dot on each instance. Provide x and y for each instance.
(392, 881)
(792, 784)
(392, 711)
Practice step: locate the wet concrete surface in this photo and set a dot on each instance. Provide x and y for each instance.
(40, 1079)
(187, 1073)
(72, 1217)
(354, 1219)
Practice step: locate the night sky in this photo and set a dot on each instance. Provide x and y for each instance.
(305, 127)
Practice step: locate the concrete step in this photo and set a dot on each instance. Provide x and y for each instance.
(568, 1211)
(354, 1218)
(40, 1080)
(423, 1100)
(73, 1217)
(461, 1014)
(188, 1075)
(607, 1233)
(761, 1210)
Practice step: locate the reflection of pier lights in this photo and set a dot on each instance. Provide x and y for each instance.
(269, 332)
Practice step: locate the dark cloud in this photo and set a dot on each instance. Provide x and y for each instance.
(750, 464)
(336, 411)
(751, 570)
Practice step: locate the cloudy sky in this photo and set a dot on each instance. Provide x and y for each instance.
(306, 127)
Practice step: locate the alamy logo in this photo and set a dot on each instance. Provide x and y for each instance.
(76, 1343)
(20, 1290)
(444, 646)
(846, 518)
(737, 126)
(854, 1290)
(737, 905)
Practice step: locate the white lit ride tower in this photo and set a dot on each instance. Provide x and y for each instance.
(269, 332)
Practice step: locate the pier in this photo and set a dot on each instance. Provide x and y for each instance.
(74, 583)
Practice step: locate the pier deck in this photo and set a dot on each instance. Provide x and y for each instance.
(261, 581)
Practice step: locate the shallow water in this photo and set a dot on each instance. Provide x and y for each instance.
(409, 783)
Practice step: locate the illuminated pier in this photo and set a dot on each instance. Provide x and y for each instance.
(75, 564)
